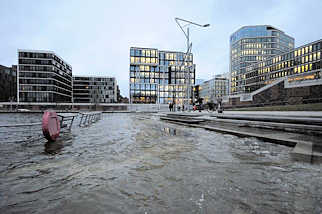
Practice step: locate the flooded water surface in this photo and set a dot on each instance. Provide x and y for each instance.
(133, 163)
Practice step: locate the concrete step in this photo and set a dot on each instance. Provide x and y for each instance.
(275, 119)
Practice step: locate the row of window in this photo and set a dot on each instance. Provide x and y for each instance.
(172, 75)
(95, 79)
(162, 55)
(43, 97)
(296, 70)
(285, 64)
(153, 99)
(311, 50)
(44, 88)
(155, 87)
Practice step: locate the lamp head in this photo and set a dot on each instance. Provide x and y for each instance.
(206, 25)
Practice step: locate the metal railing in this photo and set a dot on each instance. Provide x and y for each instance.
(30, 132)
(88, 118)
(15, 133)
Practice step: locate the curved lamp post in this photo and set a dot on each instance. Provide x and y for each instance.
(189, 47)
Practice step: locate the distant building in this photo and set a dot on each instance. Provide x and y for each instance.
(252, 44)
(160, 76)
(301, 65)
(199, 81)
(291, 78)
(89, 89)
(8, 83)
(118, 92)
(214, 88)
(43, 77)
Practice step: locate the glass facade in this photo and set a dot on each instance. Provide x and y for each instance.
(211, 89)
(252, 44)
(301, 64)
(159, 76)
(94, 89)
(43, 77)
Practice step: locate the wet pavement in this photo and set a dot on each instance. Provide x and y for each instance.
(132, 163)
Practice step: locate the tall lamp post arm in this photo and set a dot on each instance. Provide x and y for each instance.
(190, 22)
(189, 47)
(177, 21)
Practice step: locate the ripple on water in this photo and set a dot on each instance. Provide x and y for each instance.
(124, 164)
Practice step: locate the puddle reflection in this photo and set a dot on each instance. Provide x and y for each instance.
(56, 147)
(170, 131)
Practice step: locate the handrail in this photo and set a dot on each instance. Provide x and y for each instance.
(87, 118)
(20, 125)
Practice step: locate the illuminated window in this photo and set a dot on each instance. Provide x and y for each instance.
(306, 67)
(302, 68)
(146, 68)
(306, 49)
(142, 59)
(143, 52)
(152, 60)
(310, 57)
(147, 53)
(141, 67)
(310, 48)
(306, 58)
(318, 56)
(314, 56)
(137, 59)
(310, 66)
(132, 59)
(302, 51)
(153, 53)
(148, 60)
(295, 53)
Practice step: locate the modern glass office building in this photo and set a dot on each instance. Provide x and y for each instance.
(160, 76)
(214, 88)
(301, 65)
(252, 44)
(43, 76)
(89, 89)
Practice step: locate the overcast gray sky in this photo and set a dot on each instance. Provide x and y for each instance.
(95, 36)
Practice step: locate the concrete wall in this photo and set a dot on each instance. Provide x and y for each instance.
(84, 106)
(279, 95)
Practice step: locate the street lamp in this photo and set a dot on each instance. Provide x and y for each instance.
(189, 47)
